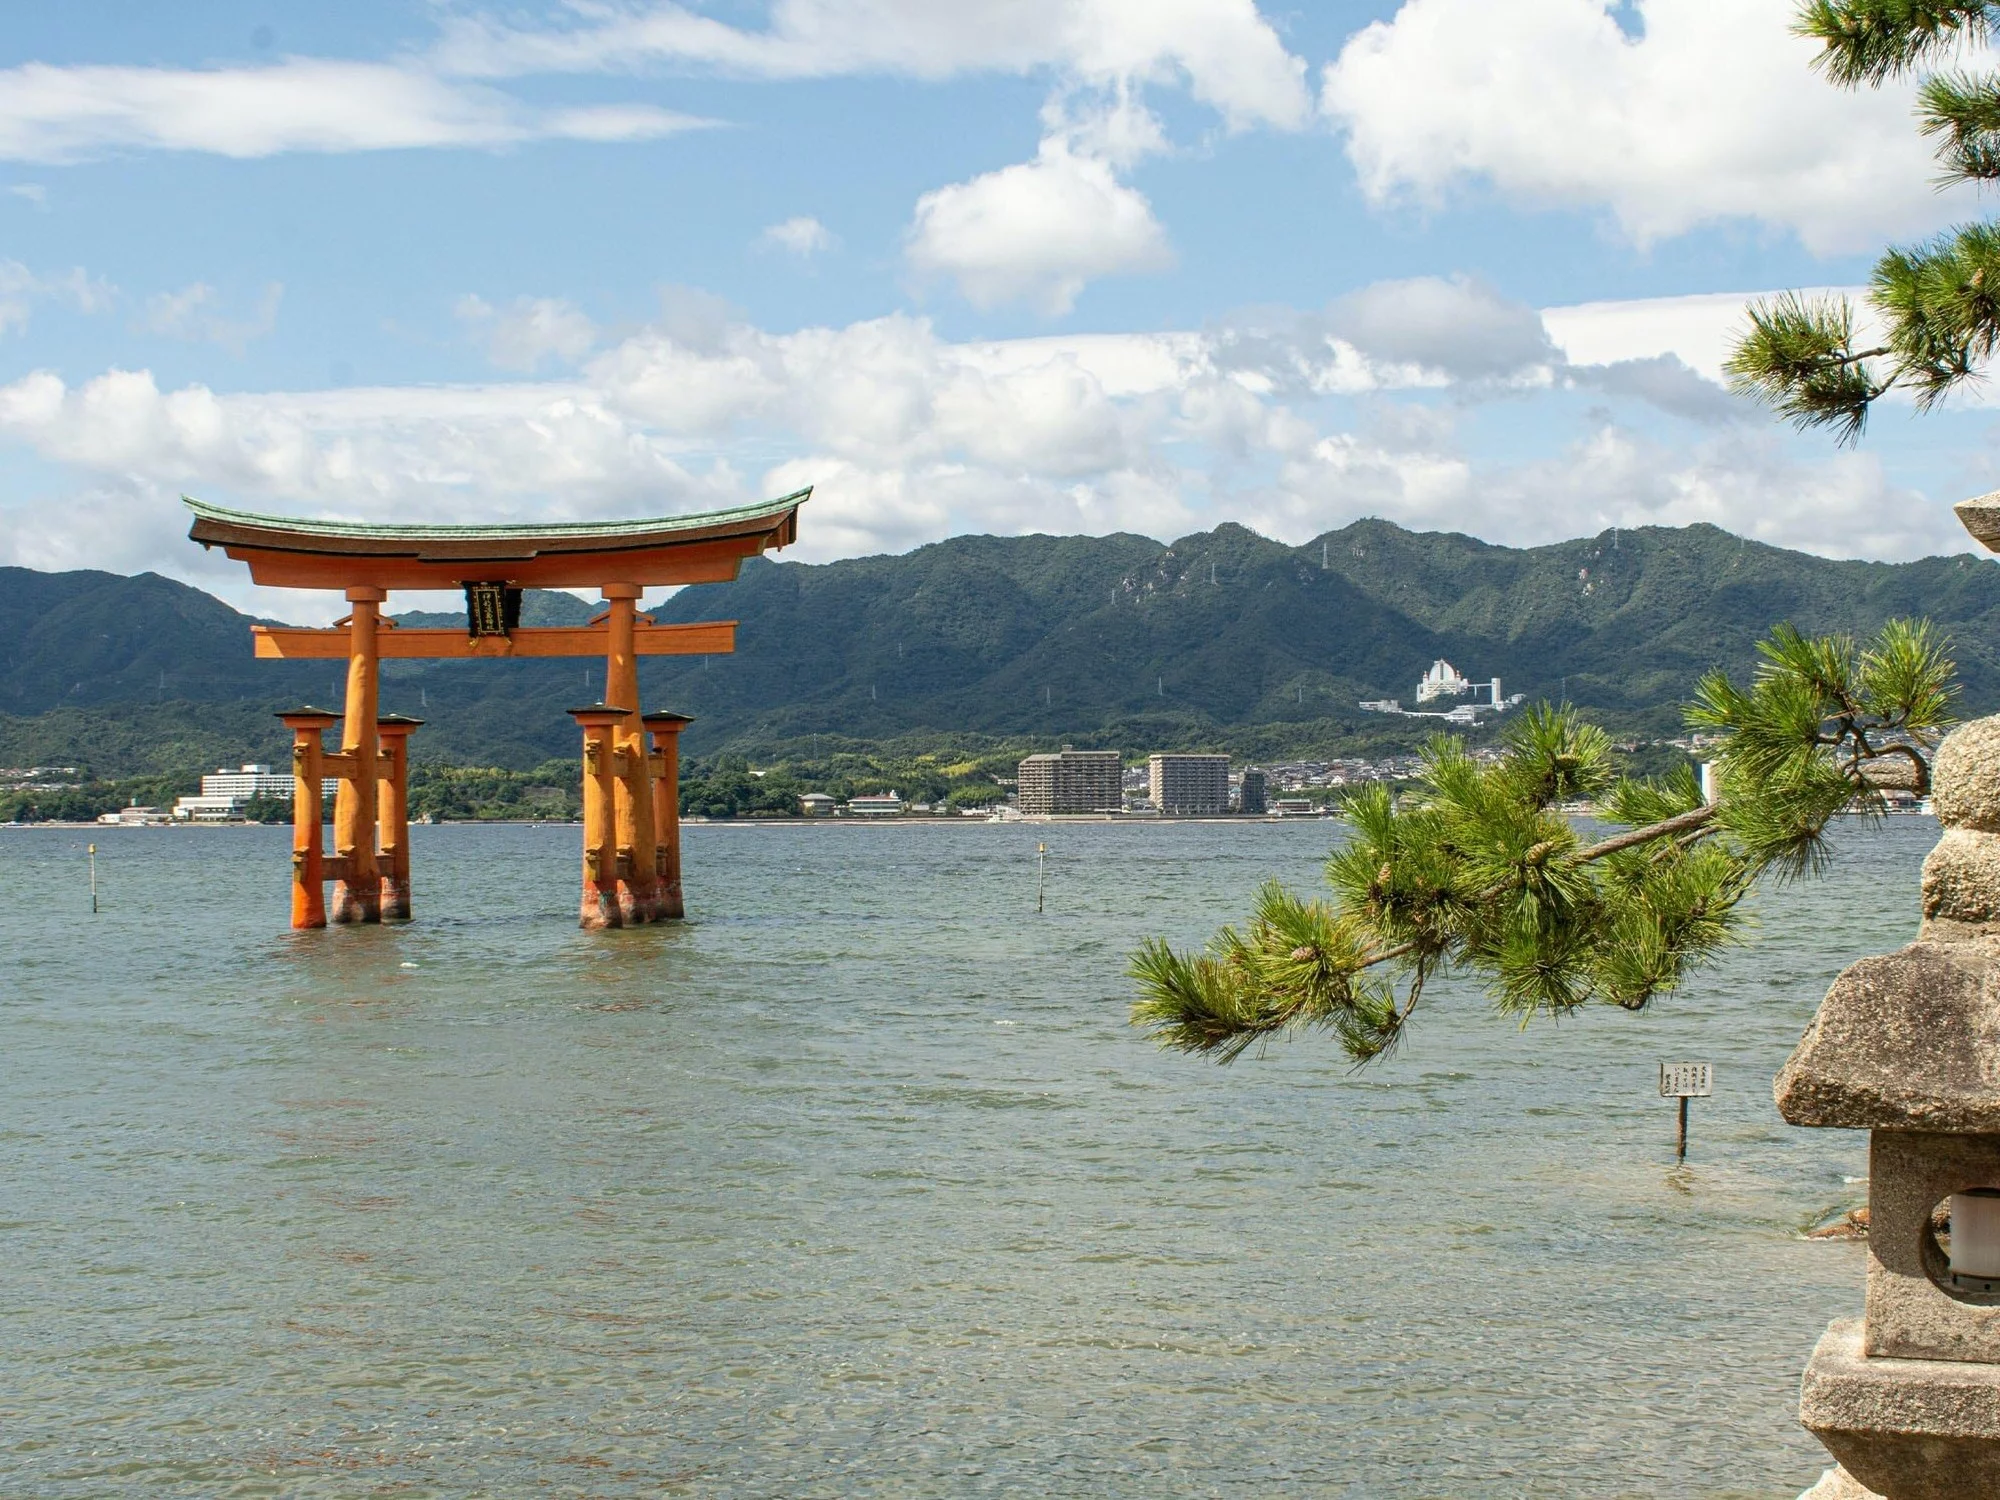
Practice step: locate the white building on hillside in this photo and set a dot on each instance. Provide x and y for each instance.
(1443, 681)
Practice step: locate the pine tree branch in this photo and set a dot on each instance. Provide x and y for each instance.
(1388, 955)
(1872, 41)
(1917, 759)
(1673, 827)
(1685, 822)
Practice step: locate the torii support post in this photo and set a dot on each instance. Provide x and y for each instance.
(665, 765)
(600, 851)
(357, 895)
(392, 813)
(308, 840)
(638, 887)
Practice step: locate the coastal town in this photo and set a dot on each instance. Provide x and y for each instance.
(1069, 783)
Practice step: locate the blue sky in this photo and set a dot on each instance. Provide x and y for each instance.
(1058, 265)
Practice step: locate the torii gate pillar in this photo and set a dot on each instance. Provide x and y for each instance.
(599, 722)
(357, 894)
(392, 813)
(308, 837)
(665, 765)
(637, 863)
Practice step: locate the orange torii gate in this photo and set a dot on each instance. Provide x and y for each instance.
(631, 788)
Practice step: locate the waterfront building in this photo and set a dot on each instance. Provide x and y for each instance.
(247, 782)
(884, 805)
(1294, 807)
(1191, 785)
(1250, 792)
(134, 816)
(223, 793)
(816, 804)
(1073, 781)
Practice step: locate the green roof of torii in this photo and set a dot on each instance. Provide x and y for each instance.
(766, 510)
(705, 547)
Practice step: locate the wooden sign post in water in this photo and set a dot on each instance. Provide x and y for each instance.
(93, 878)
(1685, 1081)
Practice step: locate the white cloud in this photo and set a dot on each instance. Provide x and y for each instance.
(21, 289)
(194, 313)
(1040, 231)
(530, 330)
(33, 192)
(1224, 51)
(1458, 324)
(1427, 332)
(1712, 112)
(60, 114)
(1836, 505)
(1667, 382)
(1843, 504)
(802, 236)
(908, 437)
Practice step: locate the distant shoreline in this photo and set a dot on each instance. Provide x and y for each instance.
(1048, 820)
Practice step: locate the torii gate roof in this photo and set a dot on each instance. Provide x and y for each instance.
(707, 547)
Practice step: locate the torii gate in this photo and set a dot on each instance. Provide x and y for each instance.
(631, 790)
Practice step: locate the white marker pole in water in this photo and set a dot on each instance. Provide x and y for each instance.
(1041, 853)
(93, 880)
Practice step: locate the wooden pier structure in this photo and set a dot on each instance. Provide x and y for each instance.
(631, 760)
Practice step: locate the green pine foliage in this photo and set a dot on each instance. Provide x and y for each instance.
(1480, 870)
(1939, 301)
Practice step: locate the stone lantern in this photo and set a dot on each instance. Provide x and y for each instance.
(1907, 1047)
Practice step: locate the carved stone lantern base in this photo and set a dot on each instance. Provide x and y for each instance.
(1912, 1429)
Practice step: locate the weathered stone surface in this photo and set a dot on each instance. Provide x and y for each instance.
(1962, 885)
(1907, 1429)
(1981, 516)
(1965, 777)
(1837, 1484)
(1910, 1314)
(1905, 1041)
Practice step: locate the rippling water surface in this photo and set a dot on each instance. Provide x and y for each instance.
(858, 1183)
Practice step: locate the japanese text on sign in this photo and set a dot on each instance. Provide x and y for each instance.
(1686, 1081)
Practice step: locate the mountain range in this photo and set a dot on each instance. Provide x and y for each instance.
(1223, 638)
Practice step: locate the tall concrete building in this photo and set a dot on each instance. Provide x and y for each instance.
(1074, 781)
(1190, 784)
(1250, 796)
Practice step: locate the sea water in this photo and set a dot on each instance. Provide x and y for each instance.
(858, 1183)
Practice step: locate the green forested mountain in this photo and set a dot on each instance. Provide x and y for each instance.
(1223, 638)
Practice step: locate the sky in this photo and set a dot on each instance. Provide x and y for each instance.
(1014, 266)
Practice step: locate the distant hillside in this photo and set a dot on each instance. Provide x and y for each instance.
(1226, 628)
(1222, 638)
